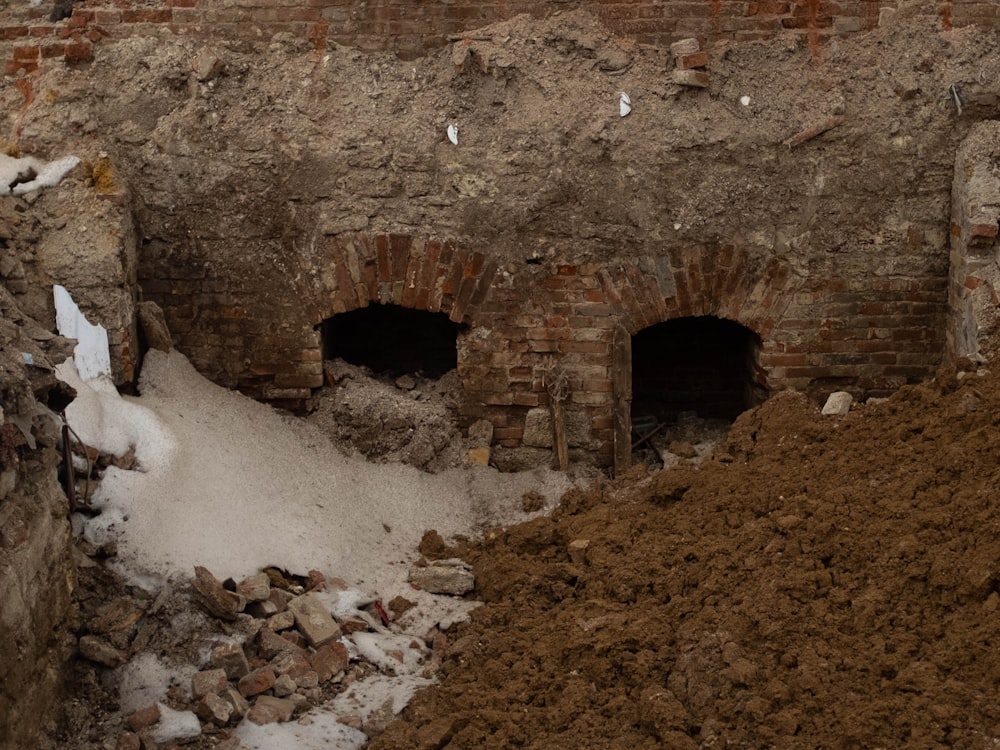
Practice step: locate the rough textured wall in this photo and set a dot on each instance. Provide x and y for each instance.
(36, 571)
(412, 29)
(277, 185)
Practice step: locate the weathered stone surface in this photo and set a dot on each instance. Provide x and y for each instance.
(240, 705)
(257, 682)
(207, 65)
(685, 47)
(281, 621)
(578, 551)
(144, 717)
(481, 433)
(538, 428)
(307, 681)
(272, 645)
(230, 658)
(216, 600)
(214, 708)
(154, 326)
(695, 78)
(478, 457)
(268, 709)
(100, 651)
(284, 686)
(208, 681)
(838, 403)
(314, 620)
(293, 664)
(443, 577)
(330, 660)
(256, 588)
(128, 741)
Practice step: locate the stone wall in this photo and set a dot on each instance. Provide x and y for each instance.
(410, 29)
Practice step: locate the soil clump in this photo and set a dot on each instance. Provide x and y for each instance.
(818, 582)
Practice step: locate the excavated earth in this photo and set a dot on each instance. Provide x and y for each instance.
(819, 582)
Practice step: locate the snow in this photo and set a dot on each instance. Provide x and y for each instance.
(47, 174)
(176, 725)
(91, 354)
(234, 485)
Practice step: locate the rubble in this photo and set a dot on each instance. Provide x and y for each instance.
(452, 577)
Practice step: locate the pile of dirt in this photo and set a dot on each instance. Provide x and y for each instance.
(818, 582)
(410, 419)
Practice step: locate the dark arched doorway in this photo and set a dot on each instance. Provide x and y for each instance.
(705, 365)
(393, 339)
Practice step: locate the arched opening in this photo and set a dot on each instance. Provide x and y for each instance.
(393, 339)
(702, 365)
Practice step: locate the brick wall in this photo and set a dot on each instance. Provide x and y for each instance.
(28, 40)
(869, 335)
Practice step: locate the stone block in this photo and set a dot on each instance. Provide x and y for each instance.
(578, 551)
(257, 682)
(685, 47)
(329, 660)
(284, 686)
(143, 718)
(268, 710)
(208, 681)
(695, 78)
(538, 428)
(452, 577)
(478, 457)
(838, 403)
(314, 620)
(281, 621)
(240, 705)
(216, 600)
(214, 708)
(154, 326)
(100, 652)
(230, 658)
(256, 588)
(696, 60)
(481, 433)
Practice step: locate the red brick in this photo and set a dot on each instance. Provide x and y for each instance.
(696, 60)
(13, 32)
(79, 52)
(41, 31)
(54, 49)
(27, 53)
(508, 433)
(80, 18)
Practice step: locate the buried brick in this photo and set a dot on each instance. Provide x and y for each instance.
(314, 620)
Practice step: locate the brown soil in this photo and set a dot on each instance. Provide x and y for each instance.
(819, 582)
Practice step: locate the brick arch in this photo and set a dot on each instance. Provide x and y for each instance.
(718, 280)
(414, 272)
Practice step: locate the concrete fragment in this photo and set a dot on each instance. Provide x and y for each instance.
(153, 323)
(257, 682)
(838, 402)
(269, 709)
(230, 658)
(208, 681)
(100, 651)
(696, 78)
(213, 598)
(215, 709)
(330, 660)
(284, 686)
(255, 588)
(452, 577)
(314, 620)
(685, 47)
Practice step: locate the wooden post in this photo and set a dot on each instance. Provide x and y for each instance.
(621, 385)
(557, 385)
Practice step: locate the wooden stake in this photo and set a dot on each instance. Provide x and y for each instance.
(621, 383)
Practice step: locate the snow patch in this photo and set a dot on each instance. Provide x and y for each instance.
(176, 725)
(317, 730)
(45, 174)
(92, 355)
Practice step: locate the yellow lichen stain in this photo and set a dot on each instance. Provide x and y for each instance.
(103, 174)
(10, 148)
(50, 96)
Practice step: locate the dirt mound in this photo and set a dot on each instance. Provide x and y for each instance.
(819, 582)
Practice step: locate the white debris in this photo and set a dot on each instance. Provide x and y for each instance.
(176, 725)
(317, 730)
(838, 403)
(39, 174)
(92, 355)
(745, 101)
(624, 104)
(453, 133)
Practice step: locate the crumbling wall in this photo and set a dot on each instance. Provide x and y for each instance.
(975, 271)
(36, 571)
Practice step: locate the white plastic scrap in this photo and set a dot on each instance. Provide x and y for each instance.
(92, 356)
(453, 133)
(46, 174)
(624, 104)
(745, 101)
